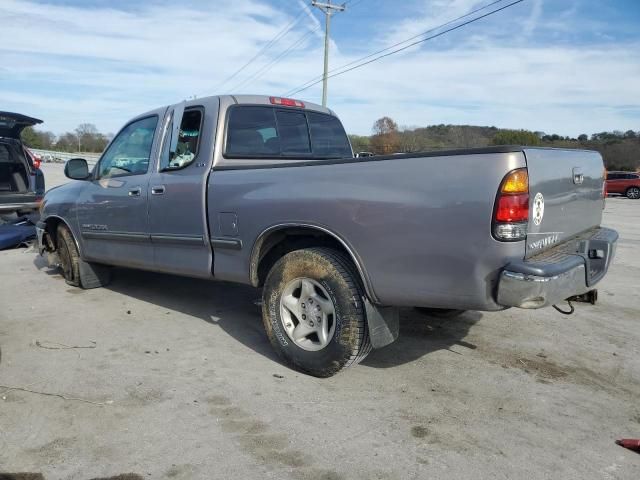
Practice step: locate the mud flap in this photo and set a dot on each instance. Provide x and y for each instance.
(383, 322)
(94, 275)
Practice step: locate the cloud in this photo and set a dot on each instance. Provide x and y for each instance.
(161, 52)
(532, 22)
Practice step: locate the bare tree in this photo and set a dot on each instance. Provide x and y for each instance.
(385, 139)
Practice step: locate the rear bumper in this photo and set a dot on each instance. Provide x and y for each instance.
(569, 269)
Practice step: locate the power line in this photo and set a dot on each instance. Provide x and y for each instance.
(314, 79)
(351, 5)
(257, 74)
(271, 42)
(340, 70)
(268, 66)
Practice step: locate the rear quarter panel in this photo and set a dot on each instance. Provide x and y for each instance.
(420, 226)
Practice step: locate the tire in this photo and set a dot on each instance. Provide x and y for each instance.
(633, 193)
(440, 312)
(77, 272)
(331, 275)
(68, 255)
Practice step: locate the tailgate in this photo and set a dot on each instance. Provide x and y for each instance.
(565, 195)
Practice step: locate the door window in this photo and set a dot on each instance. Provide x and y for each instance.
(130, 151)
(188, 141)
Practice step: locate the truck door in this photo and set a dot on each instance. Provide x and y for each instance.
(177, 190)
(112, 208)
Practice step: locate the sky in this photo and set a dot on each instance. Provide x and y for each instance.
(557, 66)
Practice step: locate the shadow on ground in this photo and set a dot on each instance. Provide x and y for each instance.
(233, 308)
(421, 334)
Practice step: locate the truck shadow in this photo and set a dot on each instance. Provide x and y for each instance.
(421, 334)
(233, 308)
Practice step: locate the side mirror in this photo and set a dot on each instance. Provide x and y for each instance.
(76, 169)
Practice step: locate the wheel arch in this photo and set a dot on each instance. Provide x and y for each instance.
(52, 222)
(631, 187)
(277, 240)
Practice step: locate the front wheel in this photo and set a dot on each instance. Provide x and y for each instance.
(77, 272)
(313, 311)
(633, 193)
(69, 256)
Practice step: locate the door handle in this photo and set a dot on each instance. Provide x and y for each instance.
(135, 192)
(157, 190)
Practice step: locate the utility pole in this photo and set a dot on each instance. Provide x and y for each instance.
(328, 10)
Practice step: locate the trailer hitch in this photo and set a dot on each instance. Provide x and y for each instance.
(590, 297)
(565, 312)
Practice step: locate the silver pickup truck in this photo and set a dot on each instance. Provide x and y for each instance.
(265, 191)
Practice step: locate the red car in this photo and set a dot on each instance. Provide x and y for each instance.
(624, 183)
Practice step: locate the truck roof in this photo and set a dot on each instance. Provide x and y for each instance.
(266, 100)
(239, 100)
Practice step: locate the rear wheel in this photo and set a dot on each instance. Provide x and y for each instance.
(633, 193)
(313, 311)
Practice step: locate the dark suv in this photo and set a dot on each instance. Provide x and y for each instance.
(624, 183)
(21, 183)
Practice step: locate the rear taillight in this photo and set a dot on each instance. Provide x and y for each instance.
(511, 212)
(286, 102)
(604, 186)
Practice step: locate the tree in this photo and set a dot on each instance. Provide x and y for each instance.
(518, 137)
(385, 139)
(30, 138)
(88, 137)
(37, 139)
(360, 143)
(67, 142)
(583, 137)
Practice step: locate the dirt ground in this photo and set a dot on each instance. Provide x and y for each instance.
(176, 379)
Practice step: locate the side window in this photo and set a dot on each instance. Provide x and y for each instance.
(294, 133)
(328, 138)
(129, 152)
(252, 131)
(188, 141)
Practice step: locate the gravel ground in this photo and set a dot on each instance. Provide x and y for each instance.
(176, 379)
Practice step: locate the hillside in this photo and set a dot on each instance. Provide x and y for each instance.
(620, 150)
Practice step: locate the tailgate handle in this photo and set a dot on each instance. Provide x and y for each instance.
(578, 176)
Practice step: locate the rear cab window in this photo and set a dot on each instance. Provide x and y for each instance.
(272, 133)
